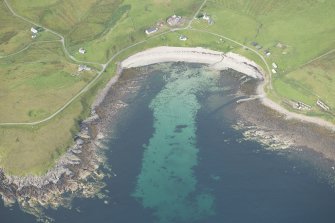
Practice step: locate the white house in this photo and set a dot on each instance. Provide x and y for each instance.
(83, 68)
(151, 30)
(206, 17)
(82, 51)
(274, 71)
(33, 30)
(182, 38)
(274, 66)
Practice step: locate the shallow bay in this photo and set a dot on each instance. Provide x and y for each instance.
(175, 157)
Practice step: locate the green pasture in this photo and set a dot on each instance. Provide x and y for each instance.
(36, 83)
(14, 33)
(295, 32)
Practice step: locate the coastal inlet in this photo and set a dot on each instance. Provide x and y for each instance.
(172, 146)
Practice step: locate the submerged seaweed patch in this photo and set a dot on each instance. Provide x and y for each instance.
(167, 180)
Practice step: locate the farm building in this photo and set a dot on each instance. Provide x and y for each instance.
(83, 68)
(322, 105)
(174, 20)
(151, 30)
(34, 30)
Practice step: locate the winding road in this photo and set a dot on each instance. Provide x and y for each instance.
(104, 66)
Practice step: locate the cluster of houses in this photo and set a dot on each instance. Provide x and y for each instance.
(35, 30)
(259, 47)
(267, 53)
(174, 20)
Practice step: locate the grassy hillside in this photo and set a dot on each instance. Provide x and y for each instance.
(14, 33)
(37, 76)
(294, 32)
(35, 83)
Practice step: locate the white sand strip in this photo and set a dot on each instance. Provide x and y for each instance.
(216, 60)
(219, 61)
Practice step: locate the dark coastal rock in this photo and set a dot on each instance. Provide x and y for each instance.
(70, 174)
(77, 171)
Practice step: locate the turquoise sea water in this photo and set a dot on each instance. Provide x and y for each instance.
(167, 182)
(177, 159)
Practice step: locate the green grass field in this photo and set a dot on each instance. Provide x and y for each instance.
(295, 32)
(37, 77)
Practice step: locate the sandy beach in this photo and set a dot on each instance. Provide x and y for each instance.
(218, 61)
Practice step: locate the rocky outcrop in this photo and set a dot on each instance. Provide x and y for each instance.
(70, 174)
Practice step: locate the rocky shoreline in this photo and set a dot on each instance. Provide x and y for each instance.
(82, 170)
(78, 172)
(269, 126)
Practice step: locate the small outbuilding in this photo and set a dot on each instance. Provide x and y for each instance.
(182, 38)
(274, 65)
(34, 30)
(274, 71)
(267, 52)
(82, 51)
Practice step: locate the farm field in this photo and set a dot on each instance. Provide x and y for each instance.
(39, 76)
(37, 82)
(295, 33)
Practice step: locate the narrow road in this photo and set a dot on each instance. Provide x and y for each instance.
(317, 58)
(195, 14)
(62, 39)
(104, 66)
